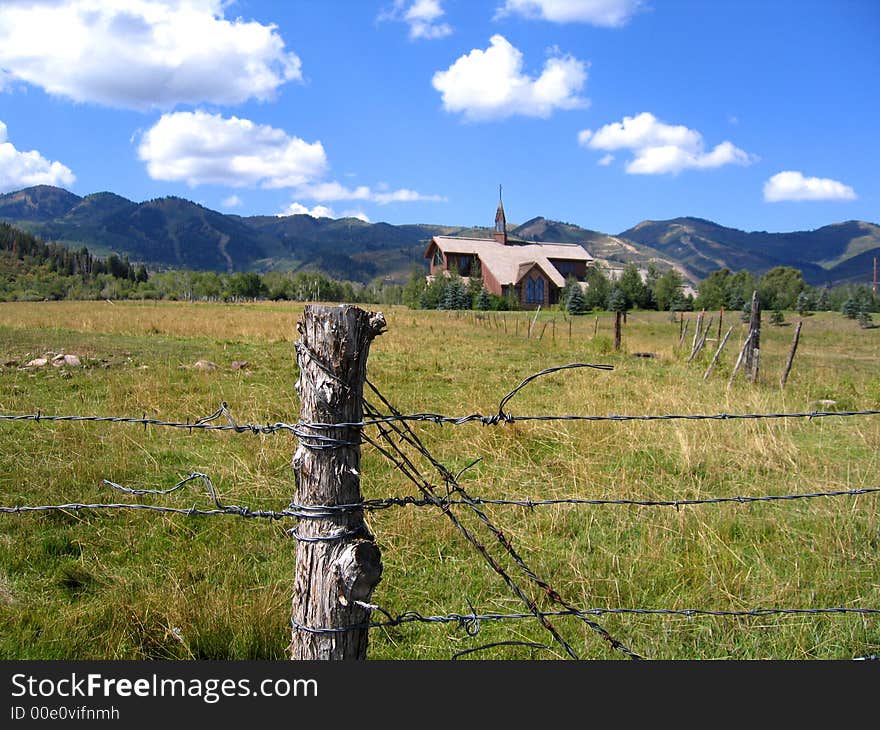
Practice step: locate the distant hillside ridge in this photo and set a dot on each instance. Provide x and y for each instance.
(173, 232)
(834, 254)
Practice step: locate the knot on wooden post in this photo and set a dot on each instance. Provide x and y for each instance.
(337, 562)
(358, 570)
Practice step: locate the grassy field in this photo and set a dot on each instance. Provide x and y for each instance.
(131, 585)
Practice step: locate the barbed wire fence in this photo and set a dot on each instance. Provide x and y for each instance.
(390, 433)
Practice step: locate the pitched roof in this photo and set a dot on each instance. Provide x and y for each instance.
(506, 262)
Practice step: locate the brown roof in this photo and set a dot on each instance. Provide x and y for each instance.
(506, 262)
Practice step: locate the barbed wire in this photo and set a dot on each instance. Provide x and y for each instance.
(394, 437)
(677, 503)
(529, 644)
(298, 428)
(308, 430)
(409, 437)
(471, 621)
(206, 423)
(401, 459)
(301, 511)
(219, 509)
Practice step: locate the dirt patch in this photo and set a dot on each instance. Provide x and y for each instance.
(6, 595)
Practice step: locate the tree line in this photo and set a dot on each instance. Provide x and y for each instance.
(780, 288)
(598, 291)
(33, 270)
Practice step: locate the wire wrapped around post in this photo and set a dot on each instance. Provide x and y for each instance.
(337, 561)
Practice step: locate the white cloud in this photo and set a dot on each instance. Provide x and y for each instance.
(792, 185)
(233, 201)
(325, 191)
(330, 191)
(403, 195)
(606, 160)
(203, 148)
(23, 169)
(605, 13)
(491, 84)
(322, 211)
(422, 17)
(319, 211)
(142, 54)
(660, 148)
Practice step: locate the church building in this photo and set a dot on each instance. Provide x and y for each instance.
(532, 271)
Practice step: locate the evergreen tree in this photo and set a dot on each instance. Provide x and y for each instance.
(576, 304)
(474, 287)
(777, 317)
(864, 320)
(617, 300)
(463, 298)
(483, 300)
(850, 308)
(803, 303)
(822, 303)
(455, 295)
(565, 295)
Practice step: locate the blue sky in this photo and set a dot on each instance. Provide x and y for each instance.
(757, 115)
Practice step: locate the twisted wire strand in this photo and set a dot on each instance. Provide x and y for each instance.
(452, 485)
(304, 512)
(470, 622)
(306, 430)
(310, 431)
(401, 459)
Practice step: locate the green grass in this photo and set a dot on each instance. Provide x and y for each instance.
(146, 585)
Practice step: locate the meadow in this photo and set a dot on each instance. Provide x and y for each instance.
(145, 585)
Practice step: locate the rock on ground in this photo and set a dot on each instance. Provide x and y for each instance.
(70, 360)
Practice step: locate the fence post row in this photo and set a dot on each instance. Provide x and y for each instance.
(337, 560)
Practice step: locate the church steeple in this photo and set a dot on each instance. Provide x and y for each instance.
(500, 222)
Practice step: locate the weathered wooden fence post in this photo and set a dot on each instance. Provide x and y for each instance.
(683, 331)
(717, 354)
(337, 560)
(617, 317)
(739, 359)
(697, 332)
(794, 344)
(702, 341)
(753, 353)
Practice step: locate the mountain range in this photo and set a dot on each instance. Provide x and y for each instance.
(173, 232)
